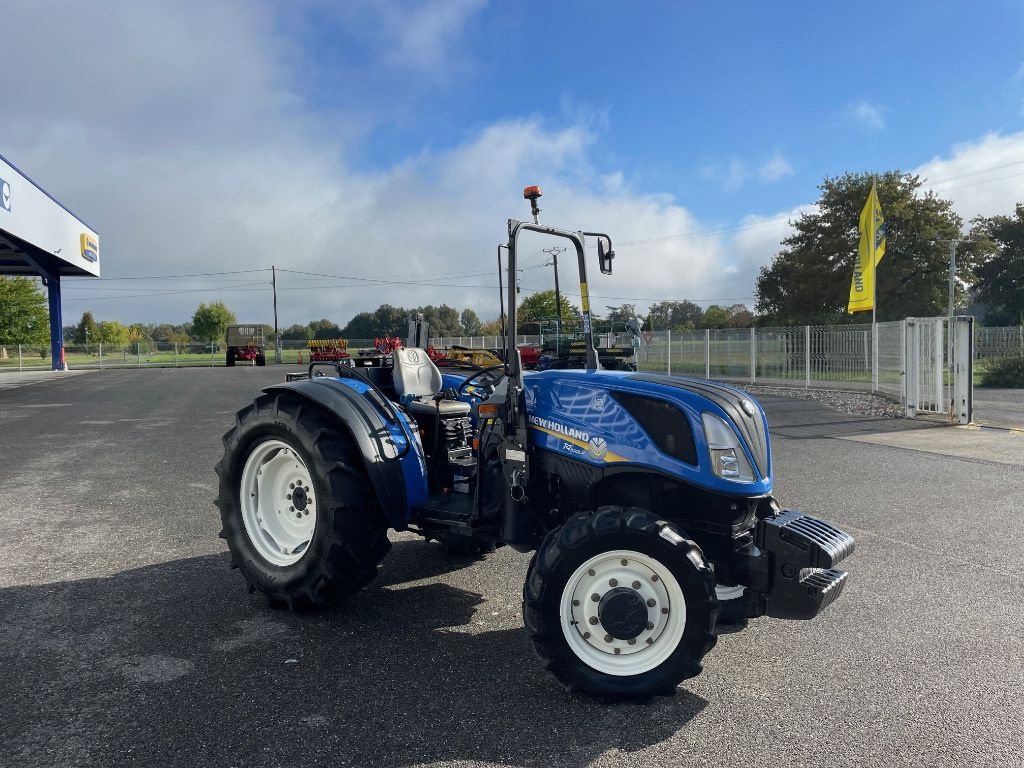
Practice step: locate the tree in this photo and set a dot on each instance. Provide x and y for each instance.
(621, 314)
(324, 329)
(491, 328)
(541, 306)
(808, 281)
(295, 333)
(715, 316)
(740, 316)
(112, 333)
(674, 315)
(470, 322)
(210, 321)
(24, 318)
(1000, 274)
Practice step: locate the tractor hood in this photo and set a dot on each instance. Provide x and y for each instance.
(652, 420)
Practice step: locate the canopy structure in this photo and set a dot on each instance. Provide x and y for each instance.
(39, 237)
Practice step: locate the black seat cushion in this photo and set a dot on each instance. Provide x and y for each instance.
(446, 407)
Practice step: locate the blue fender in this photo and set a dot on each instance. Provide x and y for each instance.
(393, 459)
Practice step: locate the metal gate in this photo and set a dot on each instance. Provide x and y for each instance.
(940, 366)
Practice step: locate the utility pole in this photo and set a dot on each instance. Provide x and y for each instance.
(553, 253)
(277, 339)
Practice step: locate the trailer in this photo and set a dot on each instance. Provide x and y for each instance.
(246, 343)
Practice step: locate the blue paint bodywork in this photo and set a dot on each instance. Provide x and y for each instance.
(578, 406)
(581, 400)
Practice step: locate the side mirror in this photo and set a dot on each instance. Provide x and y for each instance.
(604, 257)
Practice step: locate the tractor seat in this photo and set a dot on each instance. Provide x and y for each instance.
(417, 383)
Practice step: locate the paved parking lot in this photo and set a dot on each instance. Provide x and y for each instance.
(125, 639)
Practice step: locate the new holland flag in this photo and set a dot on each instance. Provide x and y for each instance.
(872, 249)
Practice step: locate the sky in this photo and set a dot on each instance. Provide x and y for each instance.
(372, 150)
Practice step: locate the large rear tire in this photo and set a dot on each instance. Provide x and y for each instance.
(619, 605)
(300, 517)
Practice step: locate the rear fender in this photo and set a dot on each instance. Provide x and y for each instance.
(384, 444)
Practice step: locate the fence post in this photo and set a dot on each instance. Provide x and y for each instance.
(874, 357)
(19, 357)
(668, 355)
(101, 354)
(940, 356)
(176, 355)
(707, 353)
(753, 355)
(138, 356)
(807, 356)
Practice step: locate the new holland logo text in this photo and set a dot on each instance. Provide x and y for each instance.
(560, 429)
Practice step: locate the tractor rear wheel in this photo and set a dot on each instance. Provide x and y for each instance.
(300, 517)
(619, 605)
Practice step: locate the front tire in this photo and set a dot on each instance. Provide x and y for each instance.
(653, 618)
(300, 517)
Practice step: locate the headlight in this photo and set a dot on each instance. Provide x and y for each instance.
(728, 459)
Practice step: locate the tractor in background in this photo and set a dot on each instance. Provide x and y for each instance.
(645, 500)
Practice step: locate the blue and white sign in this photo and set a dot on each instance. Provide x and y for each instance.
(5, 195)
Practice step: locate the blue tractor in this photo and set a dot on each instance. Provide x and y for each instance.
(645, 499)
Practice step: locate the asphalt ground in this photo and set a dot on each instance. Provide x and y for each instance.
(125, 639)
(999, 407)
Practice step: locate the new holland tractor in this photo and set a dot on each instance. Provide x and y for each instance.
(645, 499)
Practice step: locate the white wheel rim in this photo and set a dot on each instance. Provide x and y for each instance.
(580, 613)
(278, 502)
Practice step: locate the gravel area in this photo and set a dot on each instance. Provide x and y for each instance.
(856, 403)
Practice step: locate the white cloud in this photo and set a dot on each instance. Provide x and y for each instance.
(774, 168)
(868, 115)
(983, 177)
(731, 176)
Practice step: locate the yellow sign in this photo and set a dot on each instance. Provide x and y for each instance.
(90, 246)
(871, 251)
(584, 297)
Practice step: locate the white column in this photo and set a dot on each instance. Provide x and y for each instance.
(753, 355)
(668, 355)
(707, 353)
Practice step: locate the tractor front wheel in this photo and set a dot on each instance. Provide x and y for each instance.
(619, 605)
(300, 516)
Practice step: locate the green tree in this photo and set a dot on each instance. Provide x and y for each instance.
(210, 321)
(715, 316)
(808, 281)
(112, 333)
(621, 314)
(1000, 274)
(470, 322)
(295, 332)
(675, 315)
(540, 306)
(324, 329)
(491, 328)
(24, 318)
(740, 316)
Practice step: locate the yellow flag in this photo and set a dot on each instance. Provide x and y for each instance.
(872, 249)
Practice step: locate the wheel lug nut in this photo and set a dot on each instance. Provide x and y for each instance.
(590, 572)
(654, 577)
(650, 625)
(617, 651)
(650, 641)
(291, 485)
(636, 585)
(575, 602)
(613, 582)
(288, 496)
(298, 515)
(633, 641)
(651, 602)
(593, 619)
(595, 597)
(607, 638)
(665, 611)
(625, 562)
(291, 509)
(586, 635)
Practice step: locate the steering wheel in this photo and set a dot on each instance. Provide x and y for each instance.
(491, 377)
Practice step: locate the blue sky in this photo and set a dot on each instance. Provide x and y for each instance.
(390, 138)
